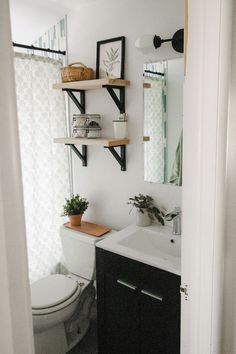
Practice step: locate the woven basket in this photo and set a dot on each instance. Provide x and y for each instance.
(79, 73)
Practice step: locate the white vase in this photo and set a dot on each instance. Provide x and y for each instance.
(120, 129)
(143, 219)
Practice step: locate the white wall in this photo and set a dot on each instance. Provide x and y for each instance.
(106, 187)
(30, 19)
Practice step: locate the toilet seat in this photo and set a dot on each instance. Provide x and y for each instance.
(53, 293)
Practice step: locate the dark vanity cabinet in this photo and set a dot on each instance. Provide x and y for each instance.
(138, 307)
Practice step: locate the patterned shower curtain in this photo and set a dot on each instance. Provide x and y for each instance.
(45, 167)
(154, 127)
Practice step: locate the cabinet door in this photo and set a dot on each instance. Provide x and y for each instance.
(152, 323)
(121, 317)
(160, 324)
(142, 320)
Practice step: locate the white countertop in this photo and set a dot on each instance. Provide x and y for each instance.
(153, 245)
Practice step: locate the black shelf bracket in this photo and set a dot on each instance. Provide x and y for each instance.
(80, 104)
(121, 159)
(83, 156)
(119, 101)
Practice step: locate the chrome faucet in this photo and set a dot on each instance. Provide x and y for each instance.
(175, 215)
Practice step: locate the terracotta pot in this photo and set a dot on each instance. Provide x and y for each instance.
(75, 220)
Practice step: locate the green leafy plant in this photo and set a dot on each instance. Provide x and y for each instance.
(145, 202)
(75, 205)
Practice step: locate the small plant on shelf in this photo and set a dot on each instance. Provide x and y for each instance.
(147, 211)
(74, 208)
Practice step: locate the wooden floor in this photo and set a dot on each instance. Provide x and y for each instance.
(88, 345)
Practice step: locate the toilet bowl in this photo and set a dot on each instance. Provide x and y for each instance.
(60, 317)
(61, 304)
(53, 299)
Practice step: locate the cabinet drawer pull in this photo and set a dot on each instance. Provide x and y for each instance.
(160, 298)
(126, 284)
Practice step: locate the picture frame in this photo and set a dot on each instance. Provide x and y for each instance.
(110, 58)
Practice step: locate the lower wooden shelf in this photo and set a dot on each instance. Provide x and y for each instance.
(95, 142)
(109, 144)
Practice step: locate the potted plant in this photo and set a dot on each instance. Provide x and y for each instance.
(146, 210)
(74, 208)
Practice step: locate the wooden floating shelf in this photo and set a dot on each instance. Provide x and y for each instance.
(91, 84)
(112, 86)
(93, 142)
(109, 144)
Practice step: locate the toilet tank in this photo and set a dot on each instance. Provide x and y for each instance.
(79, 252)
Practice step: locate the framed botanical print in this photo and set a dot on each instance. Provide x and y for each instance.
(110, 58)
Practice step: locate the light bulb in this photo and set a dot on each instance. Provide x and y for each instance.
(145, 43)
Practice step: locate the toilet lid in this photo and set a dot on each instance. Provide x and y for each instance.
(52, 290)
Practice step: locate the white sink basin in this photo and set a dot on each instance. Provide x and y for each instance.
(154, 245)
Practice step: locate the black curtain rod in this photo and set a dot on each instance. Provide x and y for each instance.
(32, 47)
(154, 72)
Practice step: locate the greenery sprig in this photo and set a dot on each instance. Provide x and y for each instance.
(145, 202)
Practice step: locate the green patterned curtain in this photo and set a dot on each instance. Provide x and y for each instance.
(55, 38)
(154, 124)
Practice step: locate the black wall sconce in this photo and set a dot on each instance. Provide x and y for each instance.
(147, 43)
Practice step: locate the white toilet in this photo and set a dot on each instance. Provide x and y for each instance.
(61, 303)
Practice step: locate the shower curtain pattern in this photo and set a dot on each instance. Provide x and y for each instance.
(54, 38)
(154, 124)
(45, 168)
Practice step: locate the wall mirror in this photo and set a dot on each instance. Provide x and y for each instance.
(163, 121)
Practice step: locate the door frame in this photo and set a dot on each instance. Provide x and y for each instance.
(16, 328)
(204, 156)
